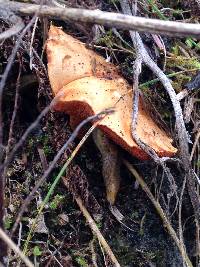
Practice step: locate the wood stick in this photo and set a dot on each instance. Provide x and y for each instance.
(161, 213)
(110, 19)
(12, 245)
(96, 231)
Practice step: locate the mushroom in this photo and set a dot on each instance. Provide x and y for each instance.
(89, 85)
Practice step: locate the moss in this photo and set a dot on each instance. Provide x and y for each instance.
(107, 39)
(184, 62)
(56, 202)
(8, 222)
(81, 261)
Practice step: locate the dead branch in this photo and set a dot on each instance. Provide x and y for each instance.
(94, 228)
(10, 135)
(12, 245)
(11, 19)
(110, 19)
(96, 231)
(7, 69)
(180, 125)
(53, 163)
(161, 213)
(2, 84)
(195, 144)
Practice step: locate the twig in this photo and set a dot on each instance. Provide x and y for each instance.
(170, 75)
(94, 257)
(95, 229)
(180, 213)
(10, 18)
(56, 181)
(136, 72)
(7, 69)
(31, 43)
(110, 19)
(2, 84)
(12, 245)
(161, 213)
(104, 257)
(195, 144)
(52, 165)
(14, 113)
(180, 125)
(182, 94)
(20, 235)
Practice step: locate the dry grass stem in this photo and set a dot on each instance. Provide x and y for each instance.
(166, 222)
(53, 163)
(12, 246)
(94, 228)
(183, 137)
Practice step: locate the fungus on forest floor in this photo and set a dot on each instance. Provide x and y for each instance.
(89, 85)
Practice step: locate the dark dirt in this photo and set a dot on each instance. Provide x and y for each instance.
(68, 240)
(145, 244)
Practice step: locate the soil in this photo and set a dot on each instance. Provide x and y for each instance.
(63, 237)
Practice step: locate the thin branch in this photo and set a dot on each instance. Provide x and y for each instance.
(96, 231)
(195, 144)
(12, 245)
(180, 125)
(161, 213)
(2, 84)
(7, 70)
(110, 19)
(53, 163)
(10, 135)
(180, 213)
(10, 18)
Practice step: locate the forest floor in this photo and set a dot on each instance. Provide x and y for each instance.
(62, 236)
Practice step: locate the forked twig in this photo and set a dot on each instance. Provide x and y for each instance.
(180, 125)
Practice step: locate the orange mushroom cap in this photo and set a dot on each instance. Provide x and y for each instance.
(89, 85)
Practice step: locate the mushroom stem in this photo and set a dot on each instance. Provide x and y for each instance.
(111, 164)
